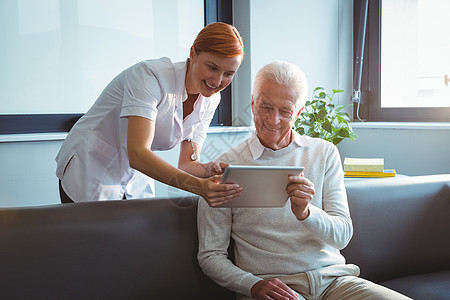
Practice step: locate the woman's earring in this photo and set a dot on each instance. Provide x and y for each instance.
(194, 155)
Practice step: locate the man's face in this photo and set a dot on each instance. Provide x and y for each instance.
(274, 113)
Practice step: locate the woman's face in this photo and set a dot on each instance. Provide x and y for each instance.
(209, 74)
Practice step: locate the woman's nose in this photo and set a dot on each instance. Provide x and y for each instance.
(217, 80)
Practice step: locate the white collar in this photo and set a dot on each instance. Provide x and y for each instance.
(257, 149)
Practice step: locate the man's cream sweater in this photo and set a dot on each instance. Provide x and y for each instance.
(271, 242)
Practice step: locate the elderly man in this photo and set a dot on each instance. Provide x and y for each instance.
(290, 252)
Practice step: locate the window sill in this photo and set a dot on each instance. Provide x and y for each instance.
(32, 137)
(402, 125)
(230, 129)
(60, 136)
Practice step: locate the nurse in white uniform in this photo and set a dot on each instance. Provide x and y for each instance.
(152, 106)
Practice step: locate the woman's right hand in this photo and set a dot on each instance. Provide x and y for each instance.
(216, 193)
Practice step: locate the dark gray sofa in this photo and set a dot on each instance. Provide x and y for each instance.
(146, 249)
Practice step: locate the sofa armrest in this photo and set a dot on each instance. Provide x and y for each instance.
(401, 226)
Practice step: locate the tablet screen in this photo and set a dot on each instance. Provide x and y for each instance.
(264, 186)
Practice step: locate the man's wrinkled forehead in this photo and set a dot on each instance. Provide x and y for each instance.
(274, 99)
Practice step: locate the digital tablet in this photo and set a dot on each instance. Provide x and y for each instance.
(264, 186)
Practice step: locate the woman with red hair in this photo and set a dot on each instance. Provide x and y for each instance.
(153, 105)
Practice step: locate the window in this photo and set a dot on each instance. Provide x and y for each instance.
(406, 68)
(61, 69)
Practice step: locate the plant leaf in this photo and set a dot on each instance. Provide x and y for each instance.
(327, 126)
(344, 132)
(337, 140)
(337, 91)
(322, 114)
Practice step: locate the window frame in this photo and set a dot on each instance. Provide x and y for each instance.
(214, 11)
(221, 11)
(370, 107)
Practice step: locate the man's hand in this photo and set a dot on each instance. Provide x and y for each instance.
(272, 289)
(301, 191)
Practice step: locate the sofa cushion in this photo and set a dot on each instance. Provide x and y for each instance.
(423, 286)
(401, 226)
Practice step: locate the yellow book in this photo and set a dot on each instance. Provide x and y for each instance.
(385, 173)
(364, 164)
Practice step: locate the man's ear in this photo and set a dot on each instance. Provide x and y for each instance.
(253, 104)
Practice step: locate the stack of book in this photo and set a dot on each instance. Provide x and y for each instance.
(366, 167)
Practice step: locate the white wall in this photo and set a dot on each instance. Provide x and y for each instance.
(27, 173)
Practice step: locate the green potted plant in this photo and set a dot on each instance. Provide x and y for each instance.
(323, 119)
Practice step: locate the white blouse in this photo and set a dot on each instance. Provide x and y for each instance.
(93, 161)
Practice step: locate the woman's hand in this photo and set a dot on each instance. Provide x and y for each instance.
(215, 168)
(195, 167)
(216, 193)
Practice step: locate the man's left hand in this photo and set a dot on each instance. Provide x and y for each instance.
(301, 191)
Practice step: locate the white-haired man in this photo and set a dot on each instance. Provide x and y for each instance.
(290, 252)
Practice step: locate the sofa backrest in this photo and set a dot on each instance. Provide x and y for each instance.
(401, 226)
(134, 249)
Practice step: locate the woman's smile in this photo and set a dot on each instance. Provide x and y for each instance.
(210, 86)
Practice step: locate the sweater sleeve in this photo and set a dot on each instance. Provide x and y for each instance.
(332, 223)
(214, 232)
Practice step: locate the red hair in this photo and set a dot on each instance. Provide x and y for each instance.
(220, 39)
